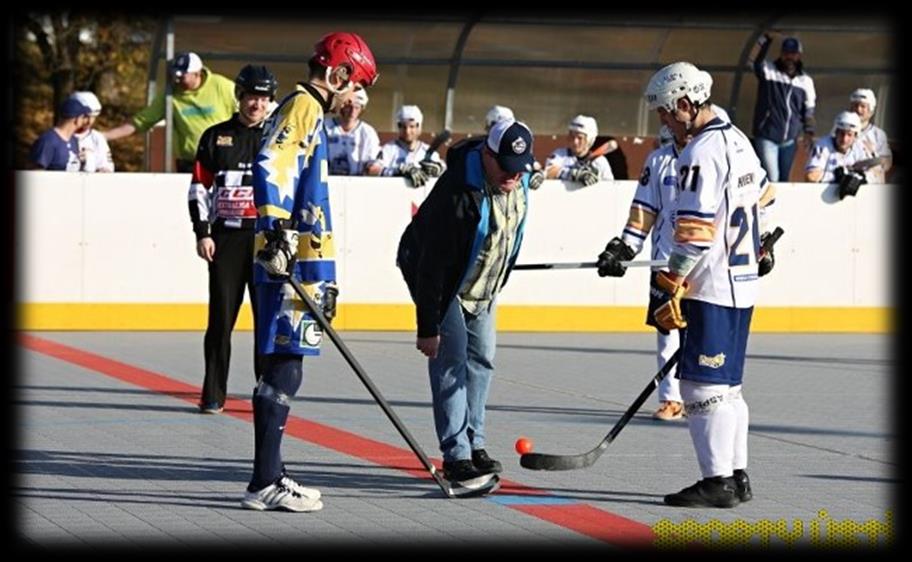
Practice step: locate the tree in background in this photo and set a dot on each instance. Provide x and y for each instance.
(60, 53)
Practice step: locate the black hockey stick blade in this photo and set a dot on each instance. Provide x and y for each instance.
(543, 461)
(327, 328)
(438, 141)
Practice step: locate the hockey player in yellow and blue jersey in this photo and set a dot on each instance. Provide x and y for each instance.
(294, 236)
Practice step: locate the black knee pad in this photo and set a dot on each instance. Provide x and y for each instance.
(283, 373)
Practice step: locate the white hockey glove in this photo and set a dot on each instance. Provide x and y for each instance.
(279, 254)
(414, 173)
(431, 168)
(330, 293)
(536, 179)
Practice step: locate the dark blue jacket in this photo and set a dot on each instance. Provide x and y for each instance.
(445, 236)
(785, 106)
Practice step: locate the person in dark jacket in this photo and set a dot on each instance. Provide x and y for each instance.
(223, 216)
(785, 107)
(456, 256)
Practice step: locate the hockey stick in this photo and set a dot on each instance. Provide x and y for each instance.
(542, 461)
(438, 141)
(609, 145)
(475, 487)
(588, 264)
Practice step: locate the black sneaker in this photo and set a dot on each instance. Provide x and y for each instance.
(717, 491)
(459, 471)
(743, 486)
(484, 463)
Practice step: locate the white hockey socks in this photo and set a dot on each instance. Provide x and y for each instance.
(666, 345)
(712, 421)
(742, 417)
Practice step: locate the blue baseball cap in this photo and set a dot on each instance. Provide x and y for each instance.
(72, 107)
(511, 141)
(791, 45)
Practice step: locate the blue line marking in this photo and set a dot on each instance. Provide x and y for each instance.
(505, 499)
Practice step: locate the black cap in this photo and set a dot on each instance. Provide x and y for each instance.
(511, 141)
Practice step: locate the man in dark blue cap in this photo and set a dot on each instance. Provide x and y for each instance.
(785, 107)
(456, 256)
(57, 148)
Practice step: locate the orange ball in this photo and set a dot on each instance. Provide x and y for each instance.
(523, 445)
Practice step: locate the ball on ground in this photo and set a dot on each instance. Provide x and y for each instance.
(523, 445)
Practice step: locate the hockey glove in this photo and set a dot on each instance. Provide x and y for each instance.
(584, 174)
(849, 181)
(330, 293)
(431, 168)
(281, 250)
(669, 316)
(767, 259)
(536, 179)
(414, 173)
(609, 261)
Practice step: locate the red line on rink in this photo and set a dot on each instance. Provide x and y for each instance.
(579, 517)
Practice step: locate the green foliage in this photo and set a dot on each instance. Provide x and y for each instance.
(60, 53)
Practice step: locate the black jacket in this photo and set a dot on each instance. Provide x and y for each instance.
(445, 235)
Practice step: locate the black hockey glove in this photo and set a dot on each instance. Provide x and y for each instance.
(536, 179)
(767, 259)
(849, 181)
(413, 172)
(609, 261)
(279, 254)
(431, 168)
(330, 293)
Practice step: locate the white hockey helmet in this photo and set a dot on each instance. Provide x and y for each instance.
(586, 125)
(675, 81)
(864, 95)
(409, 113)
(847, 121)
(360, 97)
(497, 113)
(89, 100)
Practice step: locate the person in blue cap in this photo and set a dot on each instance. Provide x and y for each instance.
(785, 107)
(456, 256)
(57, 148)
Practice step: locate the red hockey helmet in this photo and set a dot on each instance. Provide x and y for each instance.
(348, 50)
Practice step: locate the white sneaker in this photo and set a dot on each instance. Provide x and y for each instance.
(309, 493)
(278, 496)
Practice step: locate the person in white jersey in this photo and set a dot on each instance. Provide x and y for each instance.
(94, 152)
(353, 144)
(839, 149)
(712, 279)
(405, 156)
(873, 139)
(573, 162)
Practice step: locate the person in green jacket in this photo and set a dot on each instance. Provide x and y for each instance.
(201, 99)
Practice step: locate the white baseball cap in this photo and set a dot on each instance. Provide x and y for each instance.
(586, 125)
(864, 95)
(89, 100)
(497, 113)
(409, 113)
(184, 63)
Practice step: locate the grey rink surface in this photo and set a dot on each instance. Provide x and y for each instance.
(99, 461)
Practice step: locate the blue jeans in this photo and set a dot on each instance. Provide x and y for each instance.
(460, 379)
(776, 158)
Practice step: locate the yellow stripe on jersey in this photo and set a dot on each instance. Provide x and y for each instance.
(640, 218)
(768, 194)
(693, 230)
(273, 211)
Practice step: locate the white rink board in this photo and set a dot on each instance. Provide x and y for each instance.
(127, 238)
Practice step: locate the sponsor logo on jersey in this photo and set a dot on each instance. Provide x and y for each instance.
(669, 180)
(224, 140)
(713, 362)
(703, 406)
(746, 179)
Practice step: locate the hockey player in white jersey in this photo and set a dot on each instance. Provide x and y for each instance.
(873, 139)
(573, 162)
(353, 144)
(712, 280)
(405, 156)
(839, 149)
(650, 213)
(94, 152)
